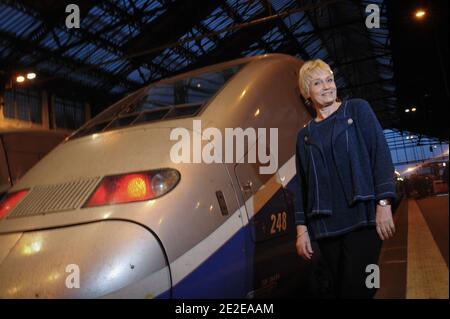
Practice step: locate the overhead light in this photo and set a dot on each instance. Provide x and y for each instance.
(20, 79)
(420, 13)
(406, 110)
(31, 76)
(413, 109)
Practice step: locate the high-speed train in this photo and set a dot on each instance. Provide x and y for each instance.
(109, 214)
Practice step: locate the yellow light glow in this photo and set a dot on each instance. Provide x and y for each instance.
(31, 76)
(33, 248)
(413, 109)
(53, 277)
(257, 113)
(13, 290)
(420, 13)
(136, 187)
(20, 79)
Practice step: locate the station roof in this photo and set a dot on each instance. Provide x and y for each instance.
(124, 44)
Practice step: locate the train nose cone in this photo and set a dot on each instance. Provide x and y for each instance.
(100, 259)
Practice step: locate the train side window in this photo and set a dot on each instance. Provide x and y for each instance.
(182, 97)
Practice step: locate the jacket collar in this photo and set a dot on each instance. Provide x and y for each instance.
(341, 122)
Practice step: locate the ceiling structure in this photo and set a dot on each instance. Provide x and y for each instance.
(124, 44)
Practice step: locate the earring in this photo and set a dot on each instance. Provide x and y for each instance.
(308, 102)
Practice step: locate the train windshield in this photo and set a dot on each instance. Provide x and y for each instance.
(183, 97)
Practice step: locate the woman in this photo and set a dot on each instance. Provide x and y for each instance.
(345, 183)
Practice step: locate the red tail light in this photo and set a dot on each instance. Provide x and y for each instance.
(134, 187)
(10, 201)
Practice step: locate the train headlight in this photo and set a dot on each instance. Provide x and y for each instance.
(10, 201)
(134, 187)
(164, 181)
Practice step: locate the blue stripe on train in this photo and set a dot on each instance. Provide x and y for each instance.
(223, 275)
(227, 273)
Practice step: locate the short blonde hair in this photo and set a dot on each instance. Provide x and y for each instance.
(307, 71)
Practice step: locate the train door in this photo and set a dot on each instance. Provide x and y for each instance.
(268, 225)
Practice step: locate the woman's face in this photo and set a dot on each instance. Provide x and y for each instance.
(322, 89)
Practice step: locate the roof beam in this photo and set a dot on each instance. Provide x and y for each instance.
(72, 64)
(181, 16)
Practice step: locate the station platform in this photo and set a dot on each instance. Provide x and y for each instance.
(414, 263)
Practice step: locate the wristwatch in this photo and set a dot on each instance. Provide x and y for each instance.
(384, 202)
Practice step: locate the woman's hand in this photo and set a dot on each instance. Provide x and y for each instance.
(385, 223)
(303, 243)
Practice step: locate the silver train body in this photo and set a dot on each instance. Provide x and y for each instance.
(223, 231)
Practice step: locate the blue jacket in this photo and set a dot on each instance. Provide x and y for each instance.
(361, 157)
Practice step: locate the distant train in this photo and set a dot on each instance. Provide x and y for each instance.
(20, 149)
(429, 178)
(108, 214)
